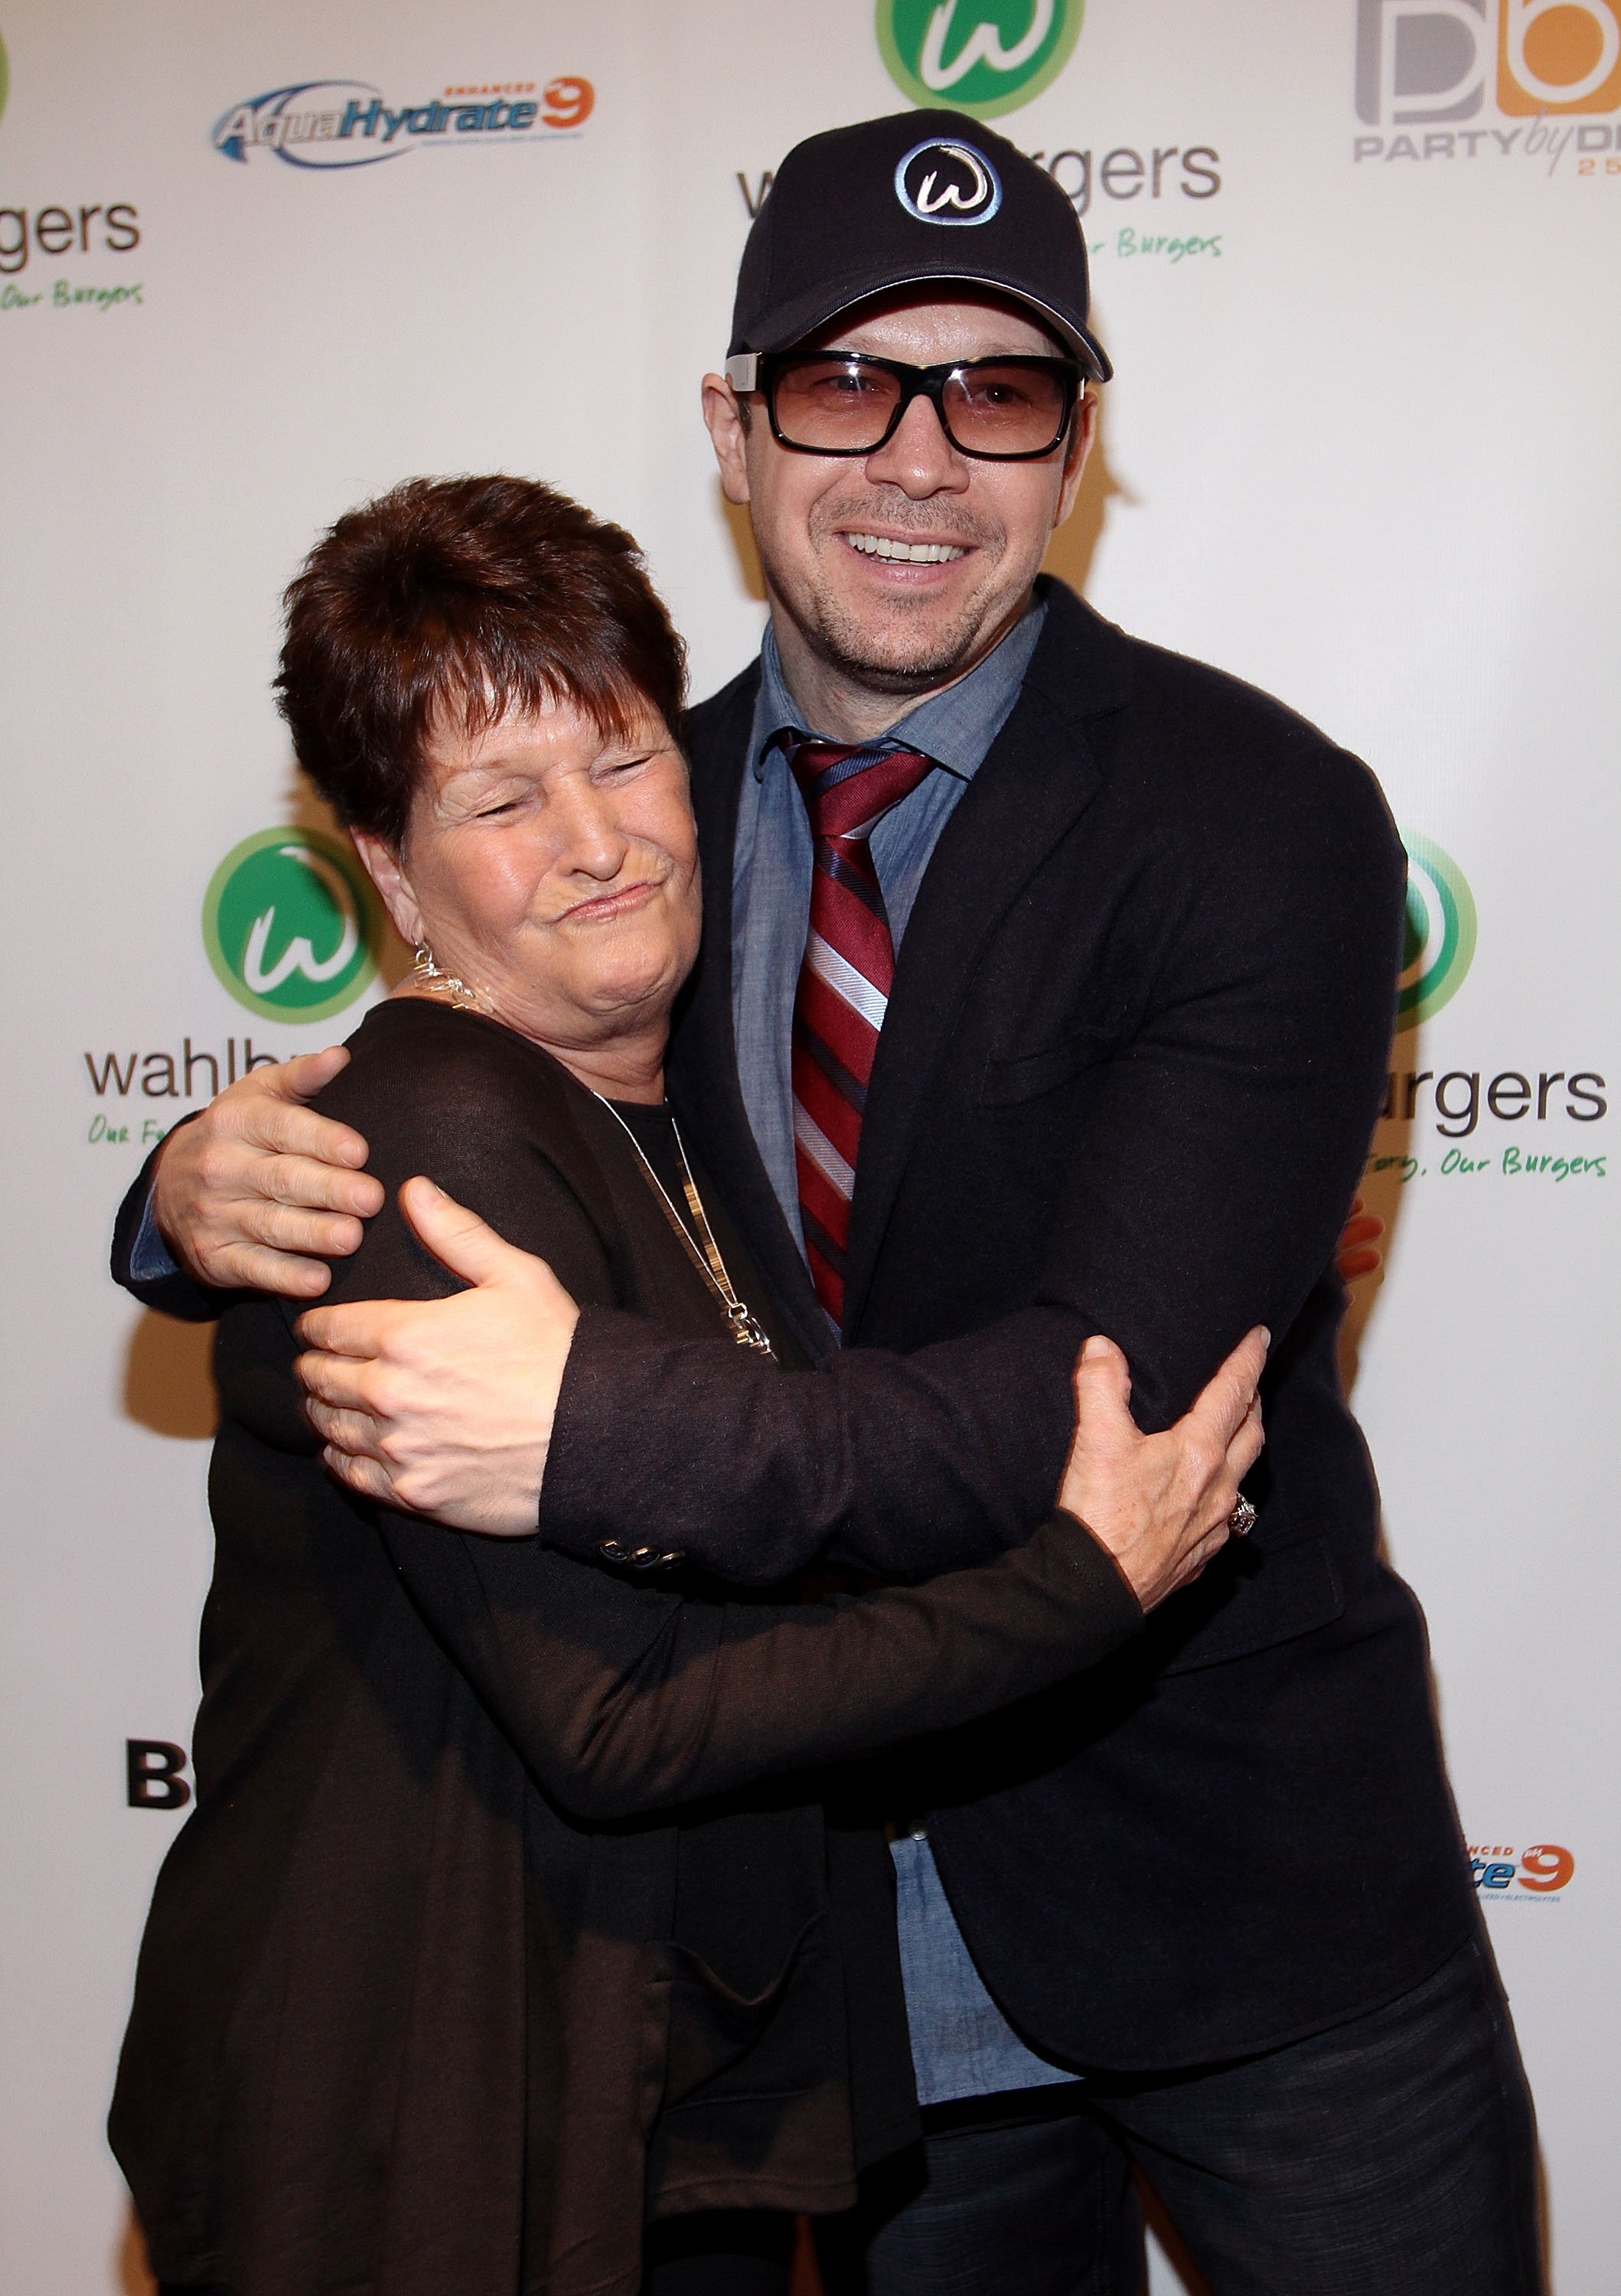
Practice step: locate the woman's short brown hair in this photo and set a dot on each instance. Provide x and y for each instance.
(457, 599)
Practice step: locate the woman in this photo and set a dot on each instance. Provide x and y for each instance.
(476, 1952)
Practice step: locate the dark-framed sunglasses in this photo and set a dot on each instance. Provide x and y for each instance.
(997, 410)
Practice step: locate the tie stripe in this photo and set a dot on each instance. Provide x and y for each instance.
(844, 985)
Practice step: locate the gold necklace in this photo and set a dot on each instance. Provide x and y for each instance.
(745, 1327)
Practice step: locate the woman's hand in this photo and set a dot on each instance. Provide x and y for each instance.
(1161, 1504)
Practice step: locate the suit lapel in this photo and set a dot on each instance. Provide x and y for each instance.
(1039, 776)
(703, 1052)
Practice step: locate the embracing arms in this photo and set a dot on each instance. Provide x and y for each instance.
(625, 1695)
(1208, 1175)
(624, 1698)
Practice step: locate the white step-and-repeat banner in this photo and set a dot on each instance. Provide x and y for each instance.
(1356, 263)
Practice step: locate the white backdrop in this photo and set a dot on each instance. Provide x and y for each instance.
(1360, 449)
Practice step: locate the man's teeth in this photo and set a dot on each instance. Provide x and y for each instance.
(920, 553)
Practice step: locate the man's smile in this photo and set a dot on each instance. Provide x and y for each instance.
(913, 554)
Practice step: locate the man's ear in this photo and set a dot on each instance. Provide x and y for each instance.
(383, 866)
(728, 436)
(1083, 435)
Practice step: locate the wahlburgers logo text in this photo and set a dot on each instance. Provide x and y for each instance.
(291, 924)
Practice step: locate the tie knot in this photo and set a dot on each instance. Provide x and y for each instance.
(846, 789)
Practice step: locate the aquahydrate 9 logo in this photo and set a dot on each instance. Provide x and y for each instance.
(349, 123)
(1431, 63)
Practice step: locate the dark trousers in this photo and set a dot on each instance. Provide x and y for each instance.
(1392, 2156)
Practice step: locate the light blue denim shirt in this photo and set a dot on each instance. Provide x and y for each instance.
(771, 869)
(962, 2044)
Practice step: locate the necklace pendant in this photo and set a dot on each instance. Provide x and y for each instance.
(745, 1329)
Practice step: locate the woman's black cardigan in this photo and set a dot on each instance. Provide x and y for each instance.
(473, 1955)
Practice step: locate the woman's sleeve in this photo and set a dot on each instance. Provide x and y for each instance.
(624, 1698)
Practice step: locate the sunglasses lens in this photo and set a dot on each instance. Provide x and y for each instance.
(834, 405)
(1005, 410)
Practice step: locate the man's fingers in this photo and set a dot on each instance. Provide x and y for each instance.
(306, 1074)
(352, 1431)
(288, 1227)
(278, 1127)
(1363, 1262)
(343, 1381)
(466, 1245)
(311, 1185)
(360, 1474)
(253, 1268)
(359, 1327)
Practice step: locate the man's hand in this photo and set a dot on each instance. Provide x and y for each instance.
(443, 1408)
(1161, 1504)
(260, 1180)
(1359, 1237)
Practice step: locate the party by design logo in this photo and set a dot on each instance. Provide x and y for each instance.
(290, 924)
(1437, 66)
(947, 182)
(1438, 943)
(349, 123)
(1420, 62)
(978, 56)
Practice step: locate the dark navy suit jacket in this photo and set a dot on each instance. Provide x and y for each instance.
(1135, 1050)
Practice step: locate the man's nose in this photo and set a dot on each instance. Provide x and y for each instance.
(920, 459)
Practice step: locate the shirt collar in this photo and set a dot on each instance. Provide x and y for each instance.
(954, 728)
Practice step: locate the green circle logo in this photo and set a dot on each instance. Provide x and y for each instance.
(1438, 943)
(290, 924)
(980, 56)
(5, 76)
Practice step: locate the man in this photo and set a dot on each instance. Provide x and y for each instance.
(1045, 989)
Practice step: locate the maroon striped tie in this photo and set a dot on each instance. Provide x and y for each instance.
(844, 985)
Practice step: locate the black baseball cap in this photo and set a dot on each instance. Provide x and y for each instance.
(913, 200)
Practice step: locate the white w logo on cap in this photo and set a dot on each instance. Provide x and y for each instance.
(937, 174)
(929, 203)
(983, 46)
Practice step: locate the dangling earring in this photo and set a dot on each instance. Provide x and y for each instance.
(426, 978)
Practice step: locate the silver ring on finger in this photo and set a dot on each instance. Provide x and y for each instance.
(1241, 1523)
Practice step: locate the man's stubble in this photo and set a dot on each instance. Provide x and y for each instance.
(912, 650)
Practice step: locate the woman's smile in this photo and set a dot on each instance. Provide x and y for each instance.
(606, 907)
(552, 865)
